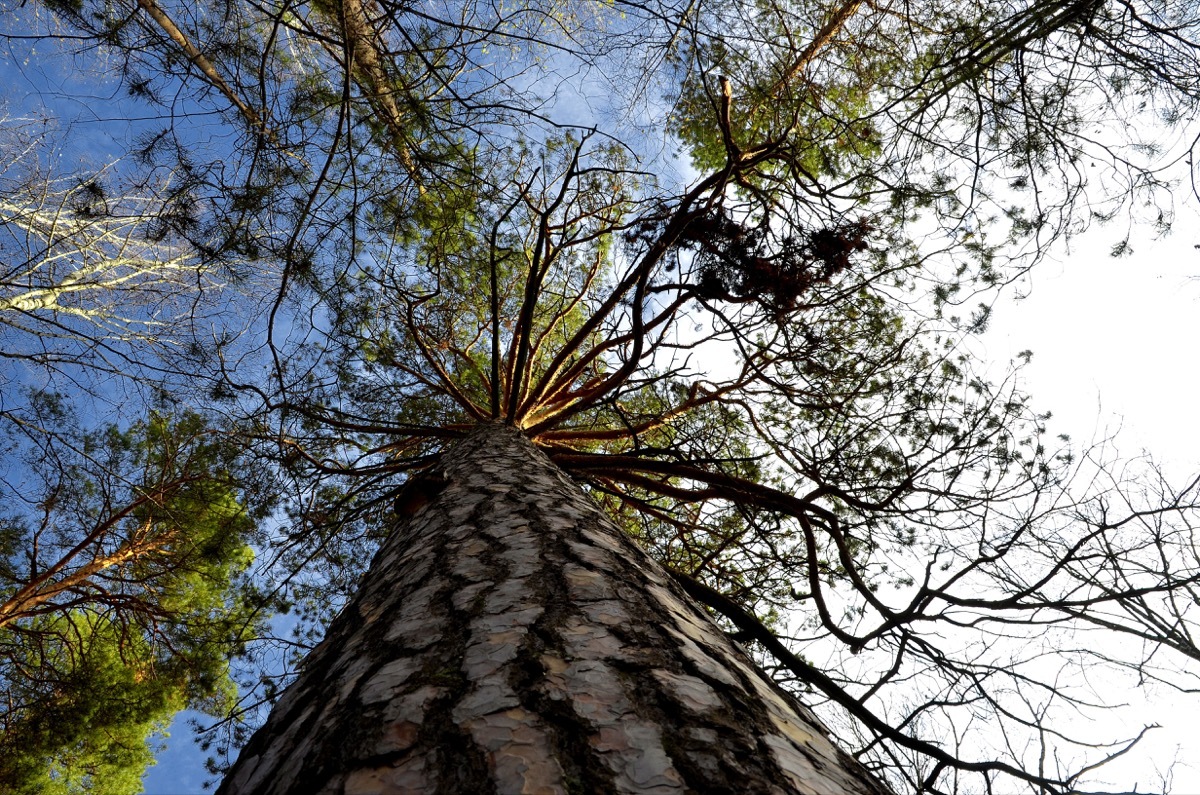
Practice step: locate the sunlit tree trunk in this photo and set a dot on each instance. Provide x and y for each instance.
(508, 638)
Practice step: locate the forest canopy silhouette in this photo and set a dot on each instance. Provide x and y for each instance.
(721, 262)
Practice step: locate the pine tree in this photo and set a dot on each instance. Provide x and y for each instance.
(510, 638)
(755, 369)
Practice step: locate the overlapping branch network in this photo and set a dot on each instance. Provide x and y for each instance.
(758, 371)
(826, 455)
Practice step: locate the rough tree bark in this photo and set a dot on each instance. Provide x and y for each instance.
(509, 638)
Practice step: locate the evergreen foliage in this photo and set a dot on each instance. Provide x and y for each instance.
(124, 599)
(748, 339)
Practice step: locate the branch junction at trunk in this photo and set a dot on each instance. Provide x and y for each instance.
(509, 638)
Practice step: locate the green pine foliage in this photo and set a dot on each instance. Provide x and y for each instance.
(124, 600)
(91, 731)
(723, 261)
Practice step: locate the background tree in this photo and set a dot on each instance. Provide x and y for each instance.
(124, 598)
(122, 590)
(863, 170)
(99, 275)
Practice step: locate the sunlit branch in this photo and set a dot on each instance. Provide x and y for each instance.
(206, 67)
(543, 257)
(96, 268)
(821, 39)
(56, 579)
(567, 399)
(495, 257)
(537, 393)
(445, 381)
(697, 396)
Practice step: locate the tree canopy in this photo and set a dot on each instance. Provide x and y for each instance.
(122, 553)
(722, 261)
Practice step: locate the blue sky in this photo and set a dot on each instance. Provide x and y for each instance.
(180, 768)
(1113, 341)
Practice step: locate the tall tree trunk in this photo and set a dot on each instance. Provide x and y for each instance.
(509, 638)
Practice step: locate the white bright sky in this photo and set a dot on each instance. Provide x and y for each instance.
(1114, 344)
(1114, 341)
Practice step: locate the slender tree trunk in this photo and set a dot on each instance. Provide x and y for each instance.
(509, 638)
